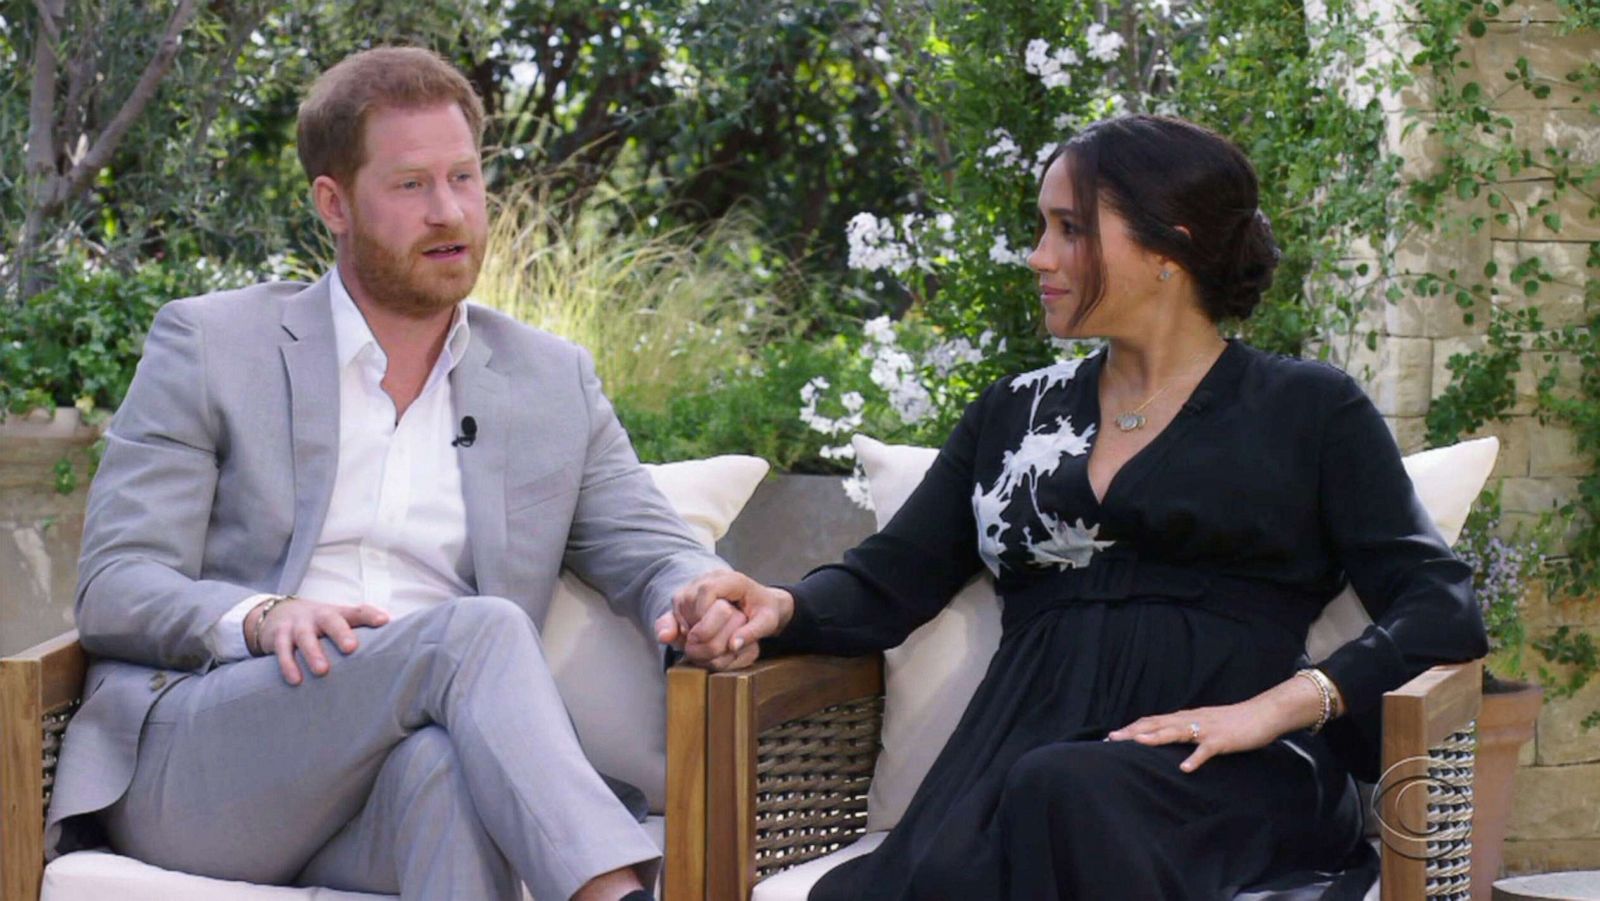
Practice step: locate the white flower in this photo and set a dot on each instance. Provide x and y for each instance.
(1104, 46)
(855, 488)
(1004, 153)
(853, 401)
(879, 330)
(1001, 253)
(1051, 67)
(1069, 546)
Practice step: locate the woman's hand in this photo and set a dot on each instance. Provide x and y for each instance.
(718, 619)
(1292, 704)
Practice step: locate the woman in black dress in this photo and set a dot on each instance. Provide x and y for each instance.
(1164, 520)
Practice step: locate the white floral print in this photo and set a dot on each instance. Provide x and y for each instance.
(1064, 545)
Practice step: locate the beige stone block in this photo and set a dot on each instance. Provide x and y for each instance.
(1556, 802)
(1550, 54)
(1560, 301)
(1410, 432)
(1397, 375)
(1528, 754)
(1572, 130)
(1553, 451)
(1560, 735)
(1451, 245)
(1536, 495)
(1535, 367)
(1544, 612)
(1547, 856)
(1408, 132)
(1514, 440)
(1528, 202)
(1529, 11)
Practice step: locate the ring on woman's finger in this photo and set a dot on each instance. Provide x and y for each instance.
(1194, 732)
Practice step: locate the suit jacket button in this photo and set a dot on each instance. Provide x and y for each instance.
(158, 681)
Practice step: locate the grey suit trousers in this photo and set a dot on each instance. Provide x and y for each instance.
(436, 761)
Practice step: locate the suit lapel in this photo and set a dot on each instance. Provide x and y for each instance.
(480, 392)
(310, 358)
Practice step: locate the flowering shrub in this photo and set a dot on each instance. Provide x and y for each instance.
(1503, 569)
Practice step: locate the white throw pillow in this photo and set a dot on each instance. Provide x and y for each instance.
(930, 679)
(610, 672)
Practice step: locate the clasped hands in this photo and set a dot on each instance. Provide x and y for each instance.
(719, 619)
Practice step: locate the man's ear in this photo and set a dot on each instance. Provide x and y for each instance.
(333, 206)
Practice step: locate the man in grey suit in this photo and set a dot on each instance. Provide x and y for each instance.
(326, 523)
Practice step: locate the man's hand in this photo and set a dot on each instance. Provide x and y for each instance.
(298, 623)
(718, 619)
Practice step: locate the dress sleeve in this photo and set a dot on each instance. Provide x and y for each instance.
(1418, 593)
(901, 577)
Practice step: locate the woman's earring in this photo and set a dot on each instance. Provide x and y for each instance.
(1165, 274)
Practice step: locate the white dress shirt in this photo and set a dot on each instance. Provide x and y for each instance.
(395, 535)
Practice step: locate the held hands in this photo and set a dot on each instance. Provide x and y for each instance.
(719, 619)
(299, 624)
(1229, 729)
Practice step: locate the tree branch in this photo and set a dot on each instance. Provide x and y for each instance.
(42, 103)
(143, 92)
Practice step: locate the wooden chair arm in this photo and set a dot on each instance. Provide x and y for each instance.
(791, 744)
(1424, 797)
(39, 690)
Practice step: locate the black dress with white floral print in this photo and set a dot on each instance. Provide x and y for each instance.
(1191, 582)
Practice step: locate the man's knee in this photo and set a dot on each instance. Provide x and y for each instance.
(422, 760)
(485, 618)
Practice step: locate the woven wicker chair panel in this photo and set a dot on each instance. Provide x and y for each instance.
(811, 783)
(1450, 816)
(54, 726)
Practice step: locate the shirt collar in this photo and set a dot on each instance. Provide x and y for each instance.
(352, 335)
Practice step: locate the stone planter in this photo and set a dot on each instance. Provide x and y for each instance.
(1505, 724)
(792, 524)
(40, 528)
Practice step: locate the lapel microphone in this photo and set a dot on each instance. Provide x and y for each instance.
(469, 433)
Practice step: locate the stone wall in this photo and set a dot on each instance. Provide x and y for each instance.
(40, 528)
(1556, 822)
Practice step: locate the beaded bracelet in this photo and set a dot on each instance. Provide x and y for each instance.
(1325, 689)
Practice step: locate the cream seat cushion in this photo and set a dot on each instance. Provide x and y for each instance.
(99, 875)
(930, 678)
(608, 671)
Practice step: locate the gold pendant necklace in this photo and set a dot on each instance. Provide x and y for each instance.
(1130, 420)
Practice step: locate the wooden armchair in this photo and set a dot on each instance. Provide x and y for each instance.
(40, 690)
(791, 745)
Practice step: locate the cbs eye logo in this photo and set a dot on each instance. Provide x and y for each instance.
(1424, 808)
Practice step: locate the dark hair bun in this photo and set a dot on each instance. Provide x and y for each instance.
(1255, 259)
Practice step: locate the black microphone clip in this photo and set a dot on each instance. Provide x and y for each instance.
(469, 433)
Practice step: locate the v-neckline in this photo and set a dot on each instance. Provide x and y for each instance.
(1184, 414)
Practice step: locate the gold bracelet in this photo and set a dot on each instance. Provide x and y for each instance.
(1325, 689)
(266, 608)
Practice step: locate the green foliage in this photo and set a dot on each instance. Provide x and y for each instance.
(77, 344)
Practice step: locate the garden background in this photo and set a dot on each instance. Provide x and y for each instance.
(779, 223)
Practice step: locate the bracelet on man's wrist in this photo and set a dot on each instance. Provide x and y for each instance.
(265, 607)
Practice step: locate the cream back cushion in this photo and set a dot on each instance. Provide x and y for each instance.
(610, 672)
(932, 676)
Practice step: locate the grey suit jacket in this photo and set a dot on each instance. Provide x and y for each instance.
(218, 472)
